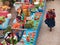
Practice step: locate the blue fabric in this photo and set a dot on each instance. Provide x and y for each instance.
(31, 1)
(50, 22)
(5, 24)
(40, 10)
(19, 36)
(14, 21)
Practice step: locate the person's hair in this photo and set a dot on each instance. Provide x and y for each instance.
(53, 9)
(9, 10)
(9, 34)
(21, 11)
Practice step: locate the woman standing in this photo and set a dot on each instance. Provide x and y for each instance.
(50, 18)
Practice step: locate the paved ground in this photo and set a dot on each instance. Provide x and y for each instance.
(45, 36)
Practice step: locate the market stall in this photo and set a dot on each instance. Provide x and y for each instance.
(31, 35)
(33, 24)
(26, 26)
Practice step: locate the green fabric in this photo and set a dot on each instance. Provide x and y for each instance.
(36, 17)
(29, 24)
(8, 29)
(41, 5)
(2, 18)
(22, 18)
(33, 9)
(15, 41)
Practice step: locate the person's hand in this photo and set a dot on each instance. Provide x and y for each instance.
(8, 7)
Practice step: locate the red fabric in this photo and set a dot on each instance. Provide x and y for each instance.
(26, 0)
(3, 13)
(1, 44)
(47, 16)
(31, 6)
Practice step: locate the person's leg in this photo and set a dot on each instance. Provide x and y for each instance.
(50, 29)
(20, 34)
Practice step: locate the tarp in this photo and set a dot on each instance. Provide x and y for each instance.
(5, 24)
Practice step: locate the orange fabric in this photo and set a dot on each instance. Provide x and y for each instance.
(16, 25)
(25, 6)
(25, 11)
(41, 1)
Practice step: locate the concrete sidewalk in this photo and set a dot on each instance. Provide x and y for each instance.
(45, 36)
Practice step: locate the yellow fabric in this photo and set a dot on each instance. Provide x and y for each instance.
(5, 7)
(26, 12)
